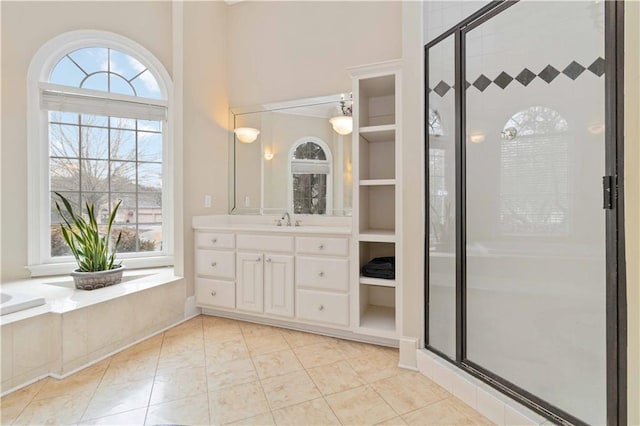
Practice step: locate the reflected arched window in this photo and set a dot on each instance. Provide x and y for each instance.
(310, 164)
(534, 187)
(435, 124)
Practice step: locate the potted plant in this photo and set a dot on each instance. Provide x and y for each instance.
(97, 266)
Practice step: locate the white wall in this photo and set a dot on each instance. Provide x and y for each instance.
(26, 26)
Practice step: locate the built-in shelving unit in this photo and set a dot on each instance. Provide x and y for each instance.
(377, 196)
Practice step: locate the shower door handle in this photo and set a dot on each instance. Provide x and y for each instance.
(608, 195)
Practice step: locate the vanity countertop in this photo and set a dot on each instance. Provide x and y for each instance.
(232, 223)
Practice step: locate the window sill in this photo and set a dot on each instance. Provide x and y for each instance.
(50, 269)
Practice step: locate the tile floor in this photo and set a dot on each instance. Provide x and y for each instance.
(213, 370)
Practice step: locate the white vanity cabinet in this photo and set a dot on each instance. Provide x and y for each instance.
(215, 269)
(265, 278)
(322, 279)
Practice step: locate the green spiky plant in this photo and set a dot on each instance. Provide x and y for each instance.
(89, 247)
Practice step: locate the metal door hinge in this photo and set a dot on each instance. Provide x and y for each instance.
(608, 192)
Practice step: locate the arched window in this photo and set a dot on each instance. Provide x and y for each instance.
(103, 100)
(435, 124)
(534, 175)
(310, 178)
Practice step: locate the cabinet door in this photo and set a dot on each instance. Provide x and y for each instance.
(278, 285)
(249, 279)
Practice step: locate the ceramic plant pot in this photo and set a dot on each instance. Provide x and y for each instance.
(100, 279)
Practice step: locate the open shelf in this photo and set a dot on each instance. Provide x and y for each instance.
(382, 133)
(379, 318)
(377, 235)
(377, 281)
(377, 182)
(377, 160)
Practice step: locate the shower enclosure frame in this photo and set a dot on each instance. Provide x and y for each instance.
(613, 203)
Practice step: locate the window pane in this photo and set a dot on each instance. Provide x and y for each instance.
(118, 84)
(149, 177)
(150, 126)
(63, 140)
(310, 193)
(100, 202)
(123, 144)
(91, 59)
(94, 120)
(149, 146)
(59, 246)
(72, 197)
(65, 174)
(150, 237)
(146, 86)
(123, 123)
(96, 82)
(123, 176)
(124, 64)
(63, 117)
(94, 175)
(129, 241)
(66, 73)
(94, 142)
(127, 210)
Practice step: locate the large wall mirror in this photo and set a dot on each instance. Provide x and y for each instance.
(297, 163)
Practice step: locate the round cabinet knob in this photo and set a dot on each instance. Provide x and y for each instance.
(321, 308)
(321, 246)
(321, 274)
(258, 259)
(213, 293)
(213, 264)
(268, 259)
(214, 240)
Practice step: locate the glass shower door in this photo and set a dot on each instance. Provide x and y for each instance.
(535, 226)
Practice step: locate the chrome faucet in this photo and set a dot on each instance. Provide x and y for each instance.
(288, 217)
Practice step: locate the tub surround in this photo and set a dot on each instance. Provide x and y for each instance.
(76, 328)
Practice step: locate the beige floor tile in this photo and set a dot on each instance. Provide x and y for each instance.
(83, 383)
(315, 412)
(53, 411)
(264, 344)
(336, 377)
(289, 389)
(409, 391)
(396, 421)
(177, 344)
(114, 399)
(133, 417)
(351, 349)
(318, 354)
(170, 361)
(442, 412)
(230, 373)
(191, 328)
(12, 405)
(218, 352)
(147, 348)
(213, 321)
(376, 367)
(220, 329)
(297, 339)
(193, 410)
(253, 329)
(276, 364)
(180, 383)
(237, 403)
(360, 406)
(130, 370)
(265, 419)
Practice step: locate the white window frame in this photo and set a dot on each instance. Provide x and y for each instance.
(40, 261)
(329, 160)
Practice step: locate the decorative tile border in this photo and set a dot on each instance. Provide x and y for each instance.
(526, 76)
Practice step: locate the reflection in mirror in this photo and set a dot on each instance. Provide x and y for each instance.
(298, 163)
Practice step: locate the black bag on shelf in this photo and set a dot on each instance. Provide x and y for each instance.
(380, 267)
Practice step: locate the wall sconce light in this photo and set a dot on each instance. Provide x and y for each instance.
(476, 138)
(343, 124)
(268, 155)
(246, 134)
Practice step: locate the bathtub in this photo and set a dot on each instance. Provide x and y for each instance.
(14, 302)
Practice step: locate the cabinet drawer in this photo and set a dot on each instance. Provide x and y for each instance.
(321, 245)
(329, 308)
(215, 240)
(215, 293)
(216, 263)
(265, 243)
(322, 273)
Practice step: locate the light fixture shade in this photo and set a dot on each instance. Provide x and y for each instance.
(246, 134)
(342, 124)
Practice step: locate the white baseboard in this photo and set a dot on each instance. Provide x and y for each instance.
(408, 359)
(190, 308)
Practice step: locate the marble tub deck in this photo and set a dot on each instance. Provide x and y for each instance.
(212, 370)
